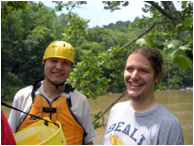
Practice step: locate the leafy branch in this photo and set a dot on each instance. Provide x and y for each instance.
(170, 70)
(149, 29)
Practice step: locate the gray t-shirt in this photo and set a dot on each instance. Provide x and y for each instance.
(156, 127)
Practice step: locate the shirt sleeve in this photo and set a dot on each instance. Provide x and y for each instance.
(7, 137)
(88, 125)
(14, 115)
(22, 100)
(175, 134)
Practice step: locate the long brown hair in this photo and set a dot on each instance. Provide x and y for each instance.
(152, 55)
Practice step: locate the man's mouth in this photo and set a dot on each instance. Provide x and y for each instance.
(135, 84)
(58, 74)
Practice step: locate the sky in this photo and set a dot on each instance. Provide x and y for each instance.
(94, 10)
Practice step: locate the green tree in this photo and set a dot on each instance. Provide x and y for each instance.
(24, 42)
(99, 52)
(168, 29)
(174, 26)
(8, 7)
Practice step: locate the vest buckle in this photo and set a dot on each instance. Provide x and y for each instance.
(49, 110)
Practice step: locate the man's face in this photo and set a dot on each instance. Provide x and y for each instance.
(57, 70)
(139, 77)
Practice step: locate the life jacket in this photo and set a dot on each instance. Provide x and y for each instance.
(58, 110)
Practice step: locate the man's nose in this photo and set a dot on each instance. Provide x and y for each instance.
(135, 75)
(59, 65)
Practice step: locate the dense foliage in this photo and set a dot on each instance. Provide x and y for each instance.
(99, 51)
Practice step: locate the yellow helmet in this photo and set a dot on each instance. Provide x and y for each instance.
(59, 49)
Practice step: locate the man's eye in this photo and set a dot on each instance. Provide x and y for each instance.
(129, 69)
(144, 71)
(67, 63)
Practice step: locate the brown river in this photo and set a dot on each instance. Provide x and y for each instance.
(180, 103)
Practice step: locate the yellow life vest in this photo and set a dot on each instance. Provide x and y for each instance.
(59, 110)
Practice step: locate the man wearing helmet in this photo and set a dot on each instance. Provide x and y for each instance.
(54, 99)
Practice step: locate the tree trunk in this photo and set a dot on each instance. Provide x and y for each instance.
(170, 8)
(169, 11)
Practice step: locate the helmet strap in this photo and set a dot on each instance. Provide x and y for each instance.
(57, 85)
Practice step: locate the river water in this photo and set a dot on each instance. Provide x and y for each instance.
(180, 103)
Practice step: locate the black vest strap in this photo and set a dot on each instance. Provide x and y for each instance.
(69, 88)
(37, 85)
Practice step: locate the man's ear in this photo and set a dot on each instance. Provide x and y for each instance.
(158, 78)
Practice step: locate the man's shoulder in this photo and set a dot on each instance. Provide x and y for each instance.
(120, 105)
(170, 123)
(167, 116)
(123, 103)
(27, 88)
(24, 91)
(77, 94)
(78, 99)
